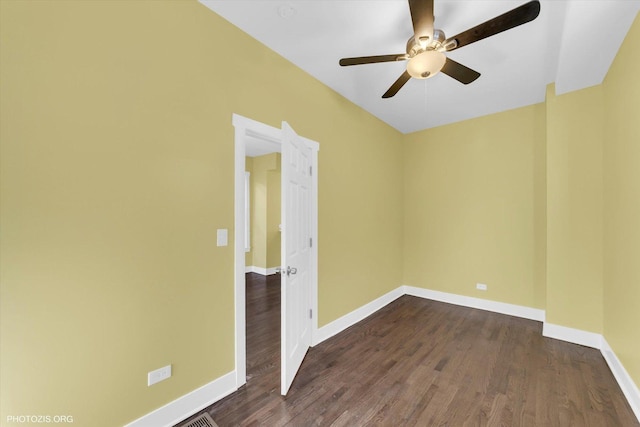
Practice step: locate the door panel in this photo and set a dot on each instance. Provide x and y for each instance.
(296, 254)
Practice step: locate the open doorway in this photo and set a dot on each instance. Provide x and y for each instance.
(299, 209)
(262, 261)
(263, 331)
(263, 208)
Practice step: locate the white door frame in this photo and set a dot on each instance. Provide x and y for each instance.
(246, 127)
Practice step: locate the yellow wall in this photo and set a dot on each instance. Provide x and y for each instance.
(248, 256)
(117, 168)
(359, 208)
(265, 211)
(474, 207)
(574, 209)
(541, 203)
(622, 204)
(274, 206)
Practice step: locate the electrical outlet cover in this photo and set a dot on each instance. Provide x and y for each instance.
(158, 375)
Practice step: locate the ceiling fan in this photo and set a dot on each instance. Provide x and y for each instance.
(426, 48)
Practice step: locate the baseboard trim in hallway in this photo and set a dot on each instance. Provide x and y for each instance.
(260, 270)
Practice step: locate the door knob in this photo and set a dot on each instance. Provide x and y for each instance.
(291, 271)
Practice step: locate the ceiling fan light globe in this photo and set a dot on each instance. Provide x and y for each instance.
(426, 64)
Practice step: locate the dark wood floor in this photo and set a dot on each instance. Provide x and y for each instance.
(422, 363)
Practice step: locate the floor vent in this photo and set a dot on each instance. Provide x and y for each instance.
(203, 420)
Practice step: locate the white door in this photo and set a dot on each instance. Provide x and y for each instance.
(296, 254)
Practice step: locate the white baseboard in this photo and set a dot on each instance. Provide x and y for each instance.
(187, 405)
(575, 336)
(260, 270)
(350, 319)
(563, 333)
(208, 394)
(482, 304)
(357, 315)
(626, 383)
(597, 341)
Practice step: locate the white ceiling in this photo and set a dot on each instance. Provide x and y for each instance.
(571, 43)
(255, 146)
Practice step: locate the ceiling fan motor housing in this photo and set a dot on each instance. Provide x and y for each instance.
(415, 47)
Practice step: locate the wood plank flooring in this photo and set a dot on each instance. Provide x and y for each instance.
(422, 363)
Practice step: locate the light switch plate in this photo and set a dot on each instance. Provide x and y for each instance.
(223, 239)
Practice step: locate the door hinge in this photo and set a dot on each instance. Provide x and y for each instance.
(310, 242)
(310, 313)
(310, 170)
